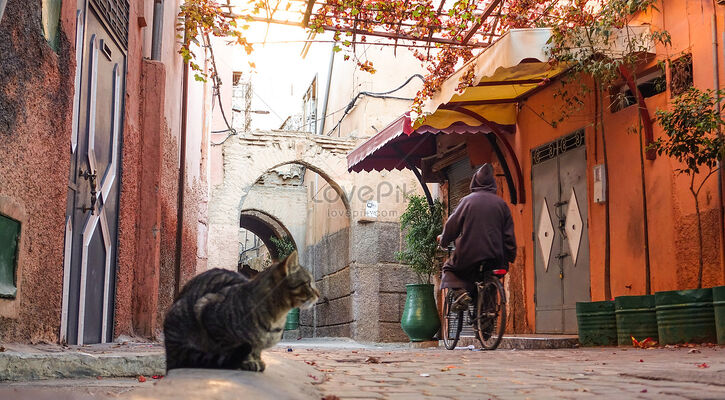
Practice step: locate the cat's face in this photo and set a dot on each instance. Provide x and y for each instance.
(299, 282)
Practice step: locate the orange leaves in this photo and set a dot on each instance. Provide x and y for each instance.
(646, 343)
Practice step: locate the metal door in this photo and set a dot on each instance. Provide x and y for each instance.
(561, 262)
(93, 185)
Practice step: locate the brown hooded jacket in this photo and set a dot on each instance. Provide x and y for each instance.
(483, 231)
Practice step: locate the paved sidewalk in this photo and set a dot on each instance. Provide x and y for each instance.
(325, 368)
(618, 373)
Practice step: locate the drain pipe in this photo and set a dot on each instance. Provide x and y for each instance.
(3, 3)
(321, 130)
(182, 175)
(158, 30)
(716, 75)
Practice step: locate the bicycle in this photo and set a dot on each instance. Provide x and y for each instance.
(487, 315)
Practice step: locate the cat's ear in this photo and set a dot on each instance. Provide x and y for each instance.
(290, 263)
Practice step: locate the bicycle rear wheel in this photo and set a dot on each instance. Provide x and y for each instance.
(452, 322)
(490, 313)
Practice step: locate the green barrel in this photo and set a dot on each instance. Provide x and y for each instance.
(636, 317)
(718, 302)
(685, 316)
(293, 320)
(597, 323)
(420, 319)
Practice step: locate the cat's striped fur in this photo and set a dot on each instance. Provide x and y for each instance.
(223, 320)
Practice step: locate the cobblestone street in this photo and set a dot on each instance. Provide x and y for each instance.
(668, 373)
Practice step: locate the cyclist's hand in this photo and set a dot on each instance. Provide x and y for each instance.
(438, 239)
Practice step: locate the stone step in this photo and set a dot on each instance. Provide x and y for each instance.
(30, 362)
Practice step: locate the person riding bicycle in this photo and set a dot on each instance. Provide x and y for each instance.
(483, 231)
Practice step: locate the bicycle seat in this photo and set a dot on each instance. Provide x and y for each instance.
(499, 272)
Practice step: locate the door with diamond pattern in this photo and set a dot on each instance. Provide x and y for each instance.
(561, 262)
(93, 185)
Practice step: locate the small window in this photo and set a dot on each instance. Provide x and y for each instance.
(236, 78)
(9, 235)
(680, 75)
(650, 84)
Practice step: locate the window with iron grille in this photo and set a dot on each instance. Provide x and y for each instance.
(651, 83)
(115, 12)
(9, 235)
(680, 75)
(241, 103)
(309, 110)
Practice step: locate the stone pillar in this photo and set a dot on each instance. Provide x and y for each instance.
(365, 283)
(148, 239)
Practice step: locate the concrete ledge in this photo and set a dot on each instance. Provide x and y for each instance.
(424, 345)
(527, 342)
(281, 380)
(31, 363)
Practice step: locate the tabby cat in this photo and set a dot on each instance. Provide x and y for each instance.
(223, 320)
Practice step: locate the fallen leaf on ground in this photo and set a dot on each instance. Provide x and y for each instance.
(310, 362)
(2, 348)
(479, 376)
(141, 378)
(99, 377)
(354, 351)
(157, 376)
(330, 397)
(644, 344)
(694, 351)
(703, 365)
(641, 360)
(643, 391)
(372, 360)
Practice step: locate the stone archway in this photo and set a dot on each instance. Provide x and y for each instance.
(265, 226)
(351, 256)
(249, 156)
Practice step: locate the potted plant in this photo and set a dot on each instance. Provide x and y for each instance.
(285, 246)
(421, 223)
(691, 137)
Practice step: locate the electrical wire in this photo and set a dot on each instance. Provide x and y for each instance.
(378, 95)
(217, 93)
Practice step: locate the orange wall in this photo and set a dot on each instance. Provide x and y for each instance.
(672, 229)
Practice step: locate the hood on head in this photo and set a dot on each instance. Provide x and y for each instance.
(483, 179)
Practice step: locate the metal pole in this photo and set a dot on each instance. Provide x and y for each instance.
(182, 176)
(3, 3)
(720, 176)
(321, 130)
(158, 29)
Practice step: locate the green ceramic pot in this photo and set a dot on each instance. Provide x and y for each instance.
(685, 316)
(420, 317)
(718, 302)
(597, 323)
(293, 320)
(636, 318)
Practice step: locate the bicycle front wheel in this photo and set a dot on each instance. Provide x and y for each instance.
(490, 313)
(452, 322)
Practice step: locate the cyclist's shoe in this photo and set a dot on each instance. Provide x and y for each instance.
(461, 300)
